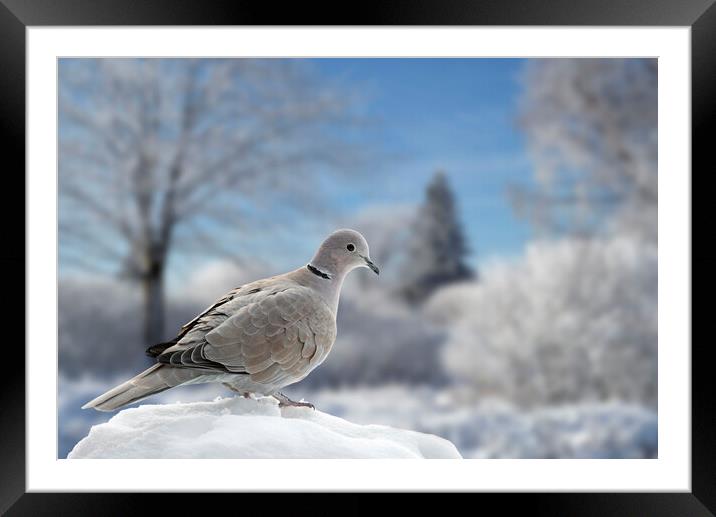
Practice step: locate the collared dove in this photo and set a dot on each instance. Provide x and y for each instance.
(259, 337)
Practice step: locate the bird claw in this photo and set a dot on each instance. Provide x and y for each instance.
(297, 404)
(284, 401)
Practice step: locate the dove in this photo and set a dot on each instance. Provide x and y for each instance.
(257, 338)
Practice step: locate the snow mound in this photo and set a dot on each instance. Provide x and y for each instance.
(249, 428)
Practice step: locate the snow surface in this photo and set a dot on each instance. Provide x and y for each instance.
(249, 428)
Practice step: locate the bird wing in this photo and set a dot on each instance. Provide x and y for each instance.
(218, 303)
(205, 317)
(281, 333)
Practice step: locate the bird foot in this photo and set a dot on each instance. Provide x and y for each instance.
(293, 403)
(284, 401)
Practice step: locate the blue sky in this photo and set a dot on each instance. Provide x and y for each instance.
(452, 114)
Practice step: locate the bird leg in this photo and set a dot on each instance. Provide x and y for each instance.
(244, 394)
(284, 401)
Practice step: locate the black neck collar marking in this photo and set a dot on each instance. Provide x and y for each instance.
(318, 272)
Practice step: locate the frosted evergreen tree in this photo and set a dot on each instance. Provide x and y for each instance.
(437, 247)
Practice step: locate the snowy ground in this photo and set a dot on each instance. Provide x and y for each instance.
(249, 428)
(490, 429)
(495, 429)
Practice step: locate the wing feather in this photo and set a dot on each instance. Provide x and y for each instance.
(275, 333)
(283, 348)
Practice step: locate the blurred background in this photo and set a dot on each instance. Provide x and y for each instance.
(510, 204)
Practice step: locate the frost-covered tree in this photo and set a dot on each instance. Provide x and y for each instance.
(437, 248)
(164, 157)
(591, 127)
(574, 320)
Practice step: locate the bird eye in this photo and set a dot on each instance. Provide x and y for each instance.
(351, 247)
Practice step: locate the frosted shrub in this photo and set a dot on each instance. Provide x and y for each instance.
(574, 320)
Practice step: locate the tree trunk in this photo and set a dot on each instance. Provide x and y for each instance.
(153, 294)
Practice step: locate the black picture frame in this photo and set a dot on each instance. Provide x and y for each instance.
(17, 15)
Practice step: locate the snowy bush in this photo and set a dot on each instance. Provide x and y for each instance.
(574, 320)
(99, 327)
(497, 429)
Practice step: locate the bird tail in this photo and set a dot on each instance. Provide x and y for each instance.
(149, 382)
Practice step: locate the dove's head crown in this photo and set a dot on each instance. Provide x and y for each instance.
(342, 251)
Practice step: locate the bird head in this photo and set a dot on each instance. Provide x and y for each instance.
(341, 252)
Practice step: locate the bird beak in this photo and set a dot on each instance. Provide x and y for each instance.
(370, 264)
